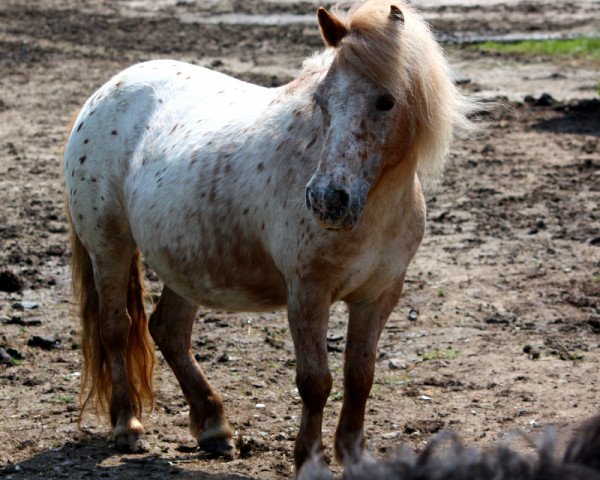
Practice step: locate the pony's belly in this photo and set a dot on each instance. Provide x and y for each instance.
(238, 300)
(224, 281)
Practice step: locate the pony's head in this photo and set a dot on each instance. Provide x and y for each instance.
(388, 105)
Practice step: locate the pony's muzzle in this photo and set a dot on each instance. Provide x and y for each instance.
(330, 205)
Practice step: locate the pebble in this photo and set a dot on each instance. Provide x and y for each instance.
(396, 364)
(24, 305)
(413, 315)
(14, 320)
(223, 358)
(460, 79)
(9, 282)
(5, 357)
(545, 100)
(45, 343)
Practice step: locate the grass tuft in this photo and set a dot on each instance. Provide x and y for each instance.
(576, 47)
(447, 354)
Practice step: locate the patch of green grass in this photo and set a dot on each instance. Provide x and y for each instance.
(63, 399)
(337, 396)
(576, 47)
(392, 380)
(15, 362)
(441, 292)
(447, 354)
(572, 356)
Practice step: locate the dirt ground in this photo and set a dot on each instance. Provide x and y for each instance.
(506, 283)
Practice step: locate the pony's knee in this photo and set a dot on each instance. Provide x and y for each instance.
(314, 387)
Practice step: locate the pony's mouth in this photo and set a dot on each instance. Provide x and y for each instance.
(336, 224)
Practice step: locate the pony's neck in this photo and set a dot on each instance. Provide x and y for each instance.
(312, 72)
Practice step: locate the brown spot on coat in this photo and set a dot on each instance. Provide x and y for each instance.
(82, 159)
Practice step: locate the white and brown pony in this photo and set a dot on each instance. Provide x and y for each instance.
(246, 198)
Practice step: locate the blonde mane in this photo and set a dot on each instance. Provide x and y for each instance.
(406, 60)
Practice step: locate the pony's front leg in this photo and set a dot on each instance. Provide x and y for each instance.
(308, 315)
(366, 322)
(171, 327)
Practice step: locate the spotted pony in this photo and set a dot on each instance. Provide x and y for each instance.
(246, 198)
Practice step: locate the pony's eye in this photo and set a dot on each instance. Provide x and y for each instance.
(385, 102)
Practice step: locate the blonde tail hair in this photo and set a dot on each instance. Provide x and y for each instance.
(96, 384)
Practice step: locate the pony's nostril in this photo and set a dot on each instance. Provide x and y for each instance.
(337, 201)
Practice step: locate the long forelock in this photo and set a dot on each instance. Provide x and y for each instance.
(403, 58)
(373, 46)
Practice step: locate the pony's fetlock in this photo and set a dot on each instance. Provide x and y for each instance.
(215, 438)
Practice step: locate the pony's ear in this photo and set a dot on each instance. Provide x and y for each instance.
(332, 28)
(396, 14)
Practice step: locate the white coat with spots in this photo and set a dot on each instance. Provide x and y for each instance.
(247, 198)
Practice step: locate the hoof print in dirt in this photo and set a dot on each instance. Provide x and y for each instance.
(419, 427)
(218, 448)
(9, 282)
(248, 447)
(45, 343)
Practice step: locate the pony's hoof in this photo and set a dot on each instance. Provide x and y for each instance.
(138, 446)
(218, 447)
(129, 441)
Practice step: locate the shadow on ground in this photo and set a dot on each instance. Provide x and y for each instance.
(581, 117)
(90, 458)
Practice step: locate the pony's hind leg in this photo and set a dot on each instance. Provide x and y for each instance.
(126, 356)
(171, 327)
(365, 325)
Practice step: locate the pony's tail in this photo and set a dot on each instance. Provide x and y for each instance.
(140, 348)
(96, 384)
